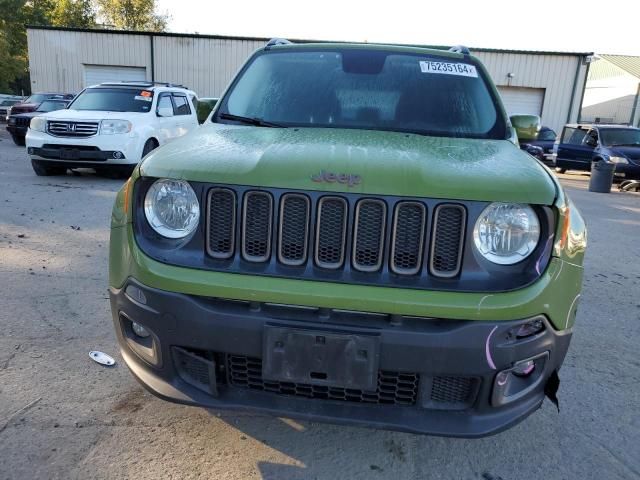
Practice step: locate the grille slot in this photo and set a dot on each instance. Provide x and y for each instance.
(369, 235)
(293, 239)
(221, 226)
(72, 129)
(393, 388)
(257, 218)
(22, 122)
(407, 243)
(331, 232)
(447, 240)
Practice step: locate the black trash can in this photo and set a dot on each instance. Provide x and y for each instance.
(601, 176)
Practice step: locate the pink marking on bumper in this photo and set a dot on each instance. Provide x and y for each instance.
(487, 349)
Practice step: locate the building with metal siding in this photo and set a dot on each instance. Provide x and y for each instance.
(612, 93)
(546, 83)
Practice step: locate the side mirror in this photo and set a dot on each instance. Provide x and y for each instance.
(526, 126)
(164, 112)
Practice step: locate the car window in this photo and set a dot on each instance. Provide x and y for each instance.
(620, 136)
(573, 136)
(366, 89)
(547, 135)
(181, 106)
(165, 101)
(114, 100)
(36, 98)
(51, 105)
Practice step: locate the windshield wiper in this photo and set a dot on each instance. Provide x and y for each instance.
(635, 144)
(258, 122)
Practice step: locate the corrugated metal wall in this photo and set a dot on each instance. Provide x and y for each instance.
(57, 59)
(205, 65)
(554, 73)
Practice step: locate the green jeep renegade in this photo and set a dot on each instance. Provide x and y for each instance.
(353, 236)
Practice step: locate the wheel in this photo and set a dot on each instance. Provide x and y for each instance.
(18, 140)
(150, 145)
(560, 170)
(116, 172)
(43, 171)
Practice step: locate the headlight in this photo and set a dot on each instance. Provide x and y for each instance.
(12, 120)
(113, 127)
(172, 208)
(37, 124)
(618, 160)
(506, 233)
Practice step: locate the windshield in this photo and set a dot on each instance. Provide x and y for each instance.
(51, 105)
(366, 89)
(619, 136)
(547, 135)
(114, 100)
(37, 98)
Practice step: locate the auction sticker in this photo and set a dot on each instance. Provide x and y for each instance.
(447, 68)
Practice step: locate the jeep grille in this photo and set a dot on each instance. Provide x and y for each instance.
(335, 233)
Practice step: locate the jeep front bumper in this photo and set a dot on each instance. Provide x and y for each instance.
(440, 377)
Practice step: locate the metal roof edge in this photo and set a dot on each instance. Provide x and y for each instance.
(265, 39)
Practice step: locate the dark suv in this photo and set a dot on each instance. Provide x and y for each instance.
(579, 145)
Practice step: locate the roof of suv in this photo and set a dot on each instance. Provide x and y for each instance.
(453, 52)
(142, 84)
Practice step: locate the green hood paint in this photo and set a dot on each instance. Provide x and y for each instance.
(389, 163)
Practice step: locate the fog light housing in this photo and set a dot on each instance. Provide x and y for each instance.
(30, 150)
(118, 155)
(519, 380)
(139, 330)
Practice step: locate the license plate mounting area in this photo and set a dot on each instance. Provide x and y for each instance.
(317, 357)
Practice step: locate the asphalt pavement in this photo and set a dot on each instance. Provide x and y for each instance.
(64, 416)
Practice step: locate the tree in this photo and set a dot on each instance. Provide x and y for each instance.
(73, 13)
(132, 15)
(15, 14)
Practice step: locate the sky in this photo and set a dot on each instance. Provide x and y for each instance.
(609, 26)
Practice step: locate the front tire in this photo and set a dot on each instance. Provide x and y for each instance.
(18, 140)
(42, 170)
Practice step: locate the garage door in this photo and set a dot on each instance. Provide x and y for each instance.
(94, 74)
(518, 100)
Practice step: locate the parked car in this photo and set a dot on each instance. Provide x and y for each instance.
(110, 127)
(354, 236)
(31, 103)
(19, 124)
(205, 105)
(544, 142)
(580, 145)
(4, 109)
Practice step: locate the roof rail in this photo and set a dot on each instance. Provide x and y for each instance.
(145, 83)
(277, 41)
(460, 49)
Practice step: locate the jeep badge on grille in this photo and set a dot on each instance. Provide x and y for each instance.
(330, 177)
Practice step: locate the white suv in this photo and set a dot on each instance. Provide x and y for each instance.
(110, 126)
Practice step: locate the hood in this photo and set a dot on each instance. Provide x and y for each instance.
(632, 153)
(385, 163)
(92, 115)
(24, 107)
